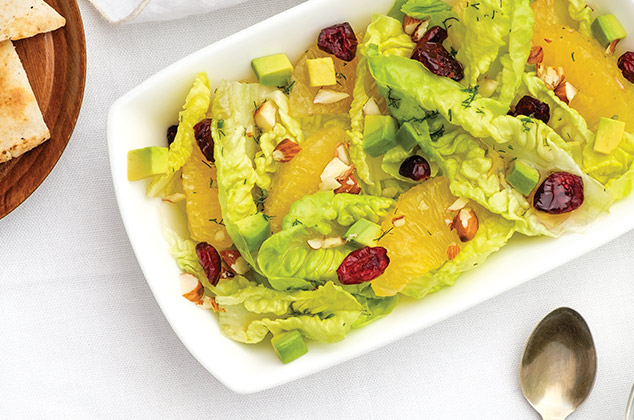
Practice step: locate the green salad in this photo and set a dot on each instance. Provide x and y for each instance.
(389, 159)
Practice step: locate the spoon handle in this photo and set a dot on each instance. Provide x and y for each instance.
(629, 412)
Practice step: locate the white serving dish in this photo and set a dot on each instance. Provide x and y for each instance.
(139, 119)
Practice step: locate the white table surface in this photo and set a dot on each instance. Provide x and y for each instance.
(81, 336)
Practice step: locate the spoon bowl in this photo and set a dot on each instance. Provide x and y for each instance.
(559, 364)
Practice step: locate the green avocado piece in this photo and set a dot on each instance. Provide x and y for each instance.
(606, 29)
(609, 135)
(272, 70)
(379, 134)
(146, 162)
(289, 346)
(363, 232)
(407, 136)
(523, 177)
(254, 229)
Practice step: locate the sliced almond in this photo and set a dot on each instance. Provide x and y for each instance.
(459, 204)
(420, 31)
(537, 55)
(566, 92)
(371, 108)
(466, 224)
(453, 250)
(191, 288)
(335, 169)
(618, 82)
(265, 116)
(286, 150)
(174, 198)
(209, 302)
(410, 24)
(327, 96)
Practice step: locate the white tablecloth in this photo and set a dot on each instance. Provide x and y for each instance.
(81, 336)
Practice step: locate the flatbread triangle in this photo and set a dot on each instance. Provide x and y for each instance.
(26, 18)
(23, 126)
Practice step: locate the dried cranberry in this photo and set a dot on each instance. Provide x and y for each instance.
(416, 168)
(338, 40)
(435, 57)
(363, 265)
(171, 134)
(202, 132)
(626, 64)
(436, 35)
(530, 106)
(210, 260)
(560, 193)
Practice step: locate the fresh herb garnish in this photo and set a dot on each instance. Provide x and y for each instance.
(393, 101)
(472, 91)
(384, 234)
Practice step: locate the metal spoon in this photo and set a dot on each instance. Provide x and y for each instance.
(559, 364)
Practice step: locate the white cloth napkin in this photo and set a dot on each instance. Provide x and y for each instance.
(125, 11)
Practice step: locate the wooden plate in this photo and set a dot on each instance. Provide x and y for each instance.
(55, 63)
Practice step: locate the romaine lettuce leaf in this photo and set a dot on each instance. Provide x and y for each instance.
(289, 262)
(250, 311)
(243, 156)
(194, 110)
(581, 13)
(387, 33)
(408, 82)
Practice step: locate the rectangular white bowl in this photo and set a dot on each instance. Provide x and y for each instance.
(139, 119)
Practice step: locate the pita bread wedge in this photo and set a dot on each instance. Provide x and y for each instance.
(22, 126)
(25, 18)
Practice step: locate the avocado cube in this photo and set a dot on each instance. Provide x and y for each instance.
(609, 135)
(321, 71)
(363, 232)
(254, 229)
(523, 177)
(289, 346)
(606, 29)
(146, 162)
(407, 136)
(272, 70)
(379, 134)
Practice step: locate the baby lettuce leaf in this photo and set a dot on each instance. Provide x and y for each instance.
(244, 155)
(194, 110)
(486, 119)
(387, 34)
(289, 262)
(250, 311)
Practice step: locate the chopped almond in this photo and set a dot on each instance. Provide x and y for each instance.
(398, 221)
(410, 24)
(420, 31)
(453, 250)
(327, 96)
(566, 92)
(286, 150)
(335, 169)
(612, 47)
(371, 108)
(459, 204)
(552, 76)
(191, 288)
(348, 183)
(537, 55)
(466, 224)
(235, 261)
(265, 116)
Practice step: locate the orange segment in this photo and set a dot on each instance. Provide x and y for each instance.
(301, 176)
(203, 207)
(302, 94)
(603, 92)
(420, 244)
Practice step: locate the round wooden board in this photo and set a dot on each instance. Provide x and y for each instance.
(55, 63)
